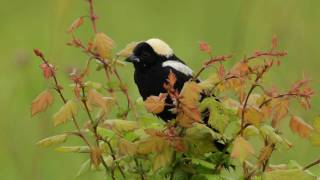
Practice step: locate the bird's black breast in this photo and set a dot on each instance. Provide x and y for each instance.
(150, 82)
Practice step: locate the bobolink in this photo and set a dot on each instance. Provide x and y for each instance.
(153, 60)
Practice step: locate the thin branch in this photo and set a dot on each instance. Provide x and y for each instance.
(311, 164)
(93, 17)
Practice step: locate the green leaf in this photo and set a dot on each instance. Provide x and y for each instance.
(200, 139)
(209, 82)
(220, 116)
(315, 138)
(65, 113)
(73, 149)
(268, 132)
(163, 159)
(105, 133)
(316, 124)
(242, 149)
(203, 163)
(121, 125)
(85, 167)
(250, 131)
(53, 140)
(292, 174)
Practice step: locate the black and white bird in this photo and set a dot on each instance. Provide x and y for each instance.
(153, 60)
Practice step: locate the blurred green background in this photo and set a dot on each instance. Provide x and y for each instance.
(235, 26)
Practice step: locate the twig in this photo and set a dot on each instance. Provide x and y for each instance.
(93, 17)
(58, 89)
(311, 164)
(114, 159)
(139, 168)
(210, 62)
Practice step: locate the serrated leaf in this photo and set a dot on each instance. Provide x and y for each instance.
(250, 131)
(75, 24)
(292, 174)
(84, 168)
(163, 159)
(203, 163)
(151, 145)
(66, 112)
(126, 147)
(53, 140)
(97, 100)
(73, 149)
(209, 82)
(316, 124)
(219, 116)
(95, 156)
(155, 104)
(42, 102)
(200, 139)
(127, 51)
(188, 112)
(242, 149)
(297, 125)
(119, 125)
(253, 115)
(103, 45)
(281, 109)
(105, 133)
(267, 132)
(315, 139)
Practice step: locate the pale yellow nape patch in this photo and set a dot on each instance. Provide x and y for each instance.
(160, 47)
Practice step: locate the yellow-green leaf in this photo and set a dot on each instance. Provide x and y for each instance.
(97, 100)
(292, 174)
(66, 112)
(103, 45)
(250, 131)
(121, 125)
(151, 145)
(163, 159)
(316, 124)
(73, 149)
(53, 140)
(126, 147)
(242, 149)
(127, 51)
(219, 116)
(209, 82)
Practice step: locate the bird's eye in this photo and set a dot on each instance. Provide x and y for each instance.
(145, 54)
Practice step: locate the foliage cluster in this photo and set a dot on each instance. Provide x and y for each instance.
(127, 143)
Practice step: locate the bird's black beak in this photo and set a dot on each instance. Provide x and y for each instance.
(133, 59)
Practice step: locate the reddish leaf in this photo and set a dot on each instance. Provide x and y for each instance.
(300, 127)
(280, 111)
(47, 70)
(172, 79)
(274, 43)
(155, 104)
(95, 156)
(241, 149)
(205, 47)
(44, 100)
(75, 25)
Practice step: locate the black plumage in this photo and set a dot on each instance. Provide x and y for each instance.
(150, 74)
(153, 60)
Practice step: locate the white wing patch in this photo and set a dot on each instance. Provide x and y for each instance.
(178, 66)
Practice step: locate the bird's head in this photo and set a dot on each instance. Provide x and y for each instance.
(150, 52)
